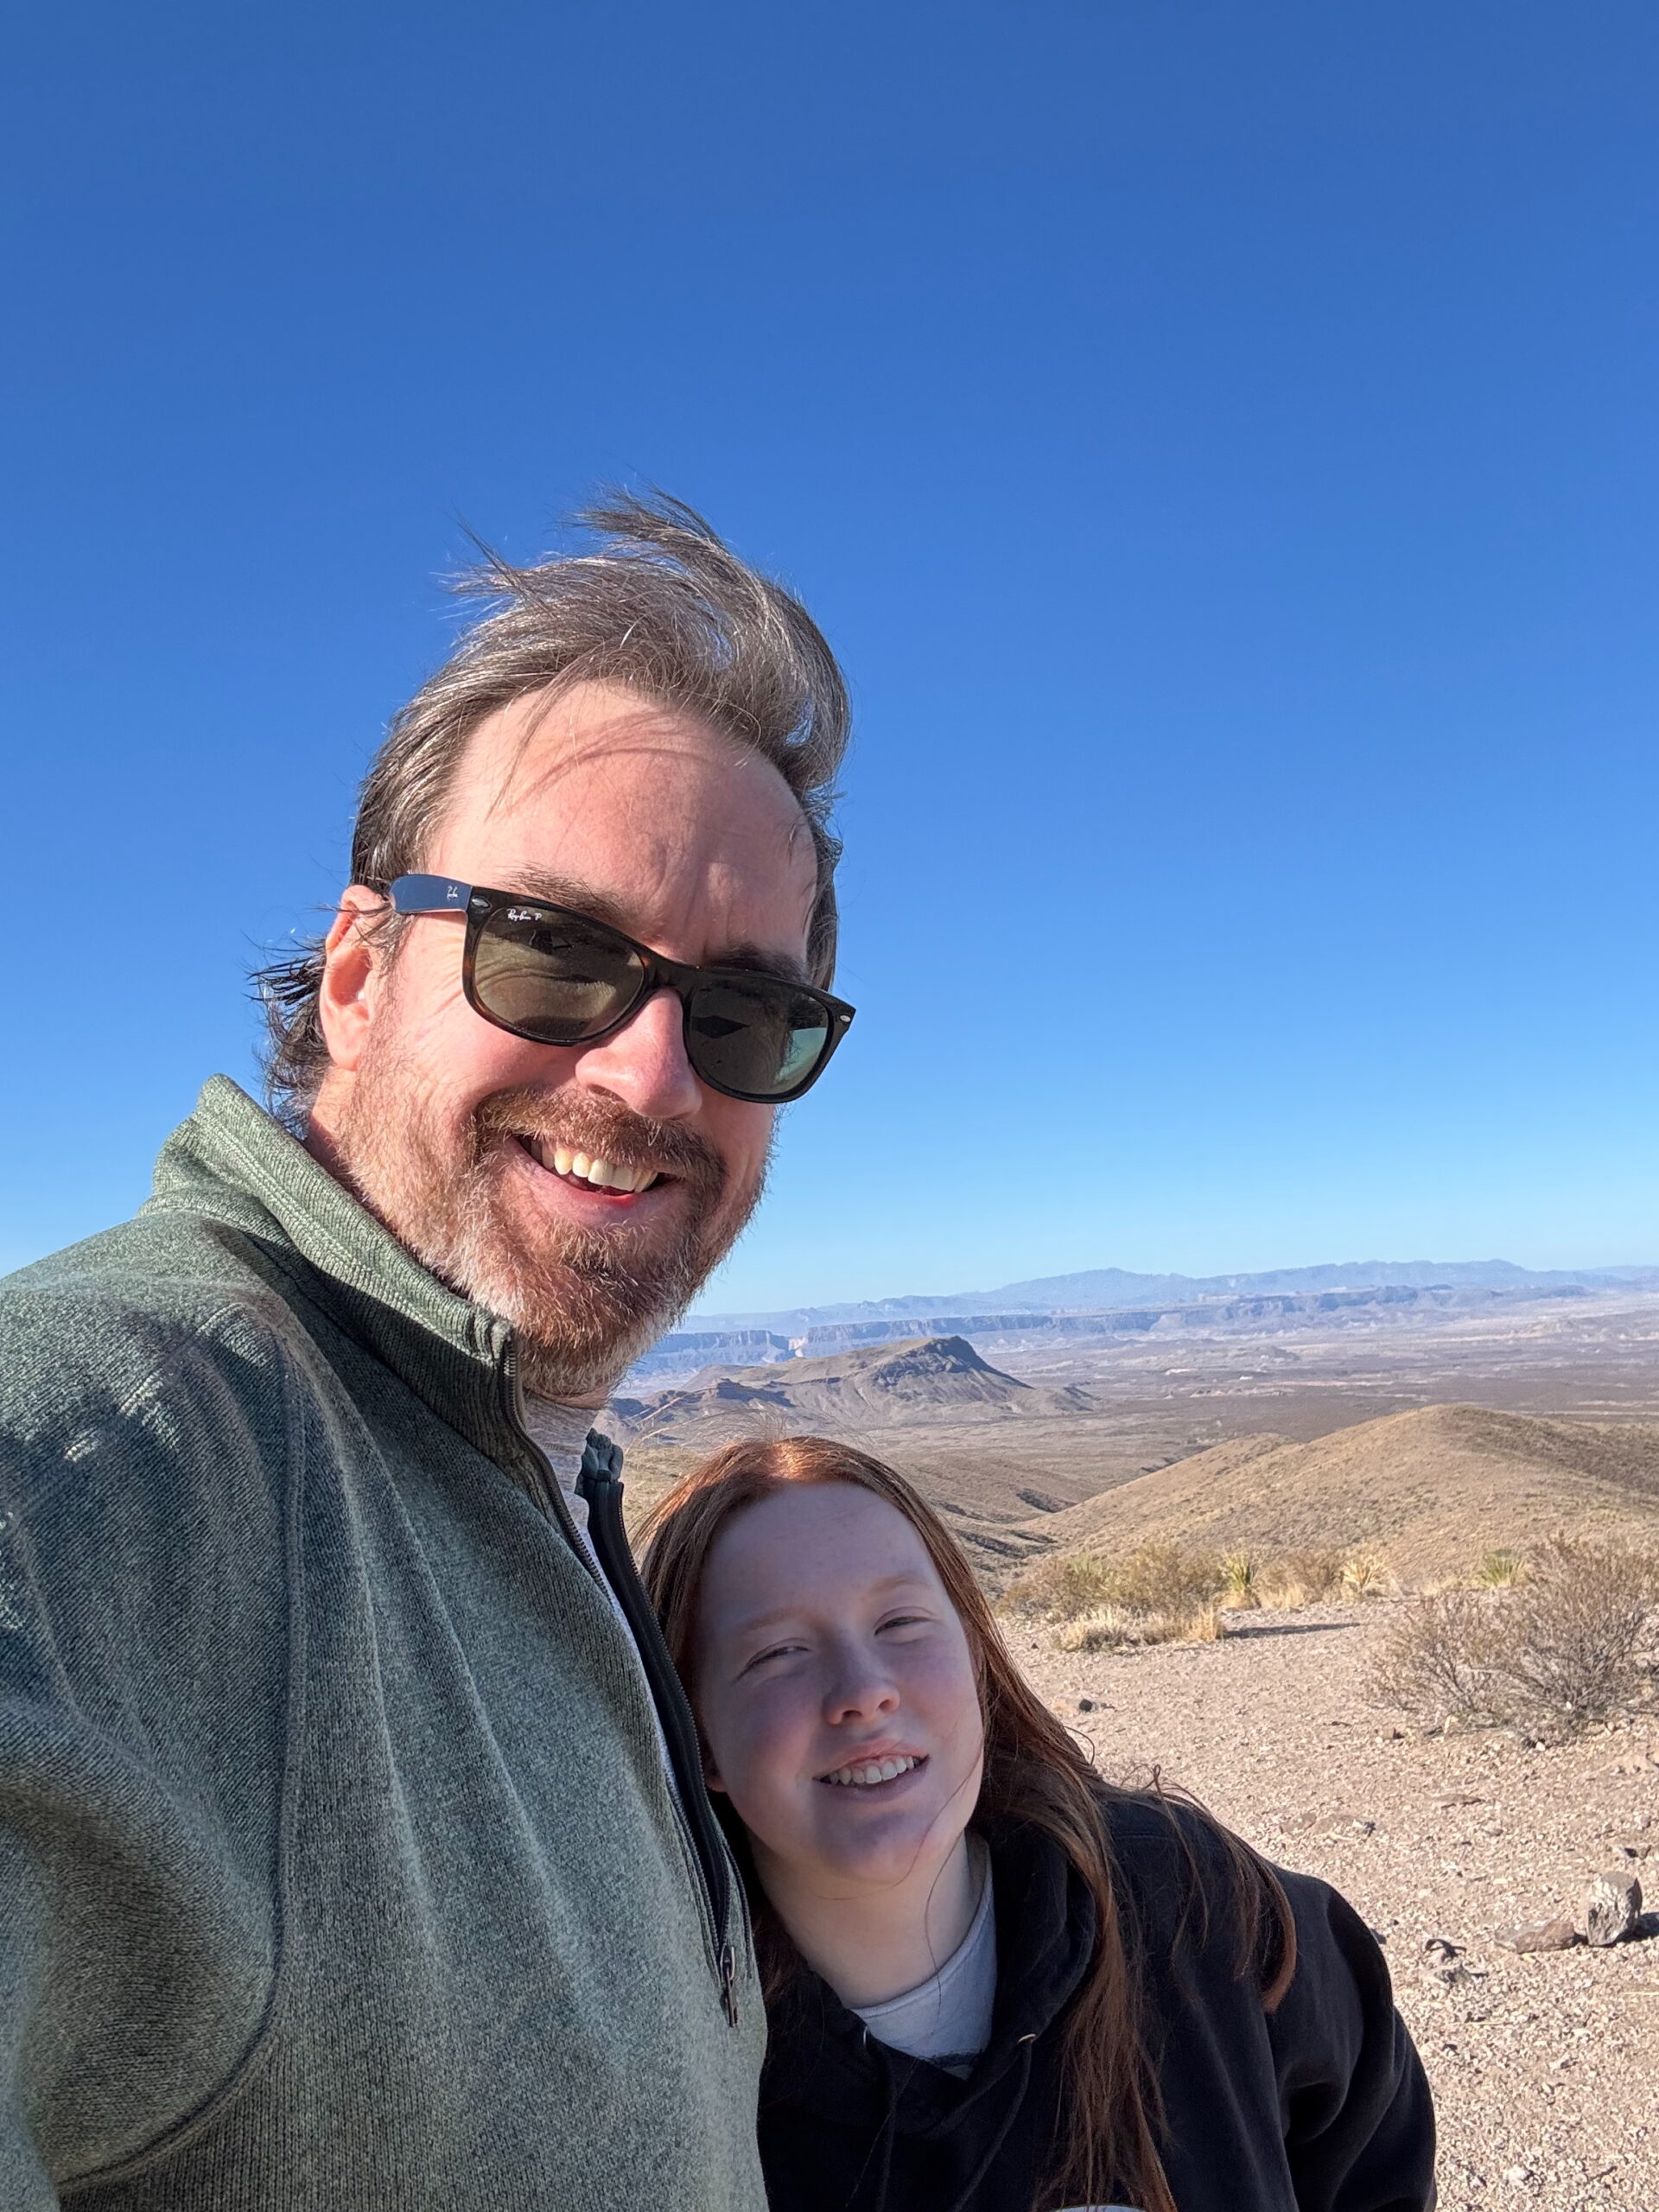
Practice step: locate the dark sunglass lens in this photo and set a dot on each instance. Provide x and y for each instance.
(762, 1040)
(554, 977)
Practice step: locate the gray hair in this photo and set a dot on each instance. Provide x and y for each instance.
(662, 605)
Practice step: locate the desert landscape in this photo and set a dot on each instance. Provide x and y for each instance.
(1209, 1522)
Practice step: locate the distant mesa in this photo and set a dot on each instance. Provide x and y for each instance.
(1252, 1305)
(1104, 1289)
(935, 1381)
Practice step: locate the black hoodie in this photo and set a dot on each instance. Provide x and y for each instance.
(1321, 2106)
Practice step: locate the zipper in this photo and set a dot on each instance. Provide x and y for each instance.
(600, 1484)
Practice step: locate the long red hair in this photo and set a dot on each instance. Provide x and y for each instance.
(1034, 1772)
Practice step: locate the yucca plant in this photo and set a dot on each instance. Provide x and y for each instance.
(1364, 1574)
(1500, 1570)
(1238, 1590)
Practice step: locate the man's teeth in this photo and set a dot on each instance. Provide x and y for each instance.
(862, 1777)
(603, 1174)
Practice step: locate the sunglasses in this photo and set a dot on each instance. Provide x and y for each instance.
(559, 977)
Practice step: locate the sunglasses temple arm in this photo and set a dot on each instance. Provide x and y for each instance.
(429, 894)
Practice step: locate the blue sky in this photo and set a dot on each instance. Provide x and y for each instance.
(1216, 433)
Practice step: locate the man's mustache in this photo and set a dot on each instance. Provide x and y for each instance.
(603, 1129)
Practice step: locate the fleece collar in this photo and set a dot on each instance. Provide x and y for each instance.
(231, 1162)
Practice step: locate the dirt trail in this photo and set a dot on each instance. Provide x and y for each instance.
(1545, 2068)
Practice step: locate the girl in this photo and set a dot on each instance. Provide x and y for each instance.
(994, 1983)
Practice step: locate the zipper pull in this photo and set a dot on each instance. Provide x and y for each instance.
(602, 1463)
(728, 1983)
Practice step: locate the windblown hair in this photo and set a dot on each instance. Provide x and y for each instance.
(1034, 1772)
(662, 607)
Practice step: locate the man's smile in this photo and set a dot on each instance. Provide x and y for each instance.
(612, 1184)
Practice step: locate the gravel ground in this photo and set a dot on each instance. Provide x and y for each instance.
(1545, 2067)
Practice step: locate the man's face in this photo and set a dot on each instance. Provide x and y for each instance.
(453, 1131)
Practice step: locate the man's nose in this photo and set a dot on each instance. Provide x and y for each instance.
(644, 1063)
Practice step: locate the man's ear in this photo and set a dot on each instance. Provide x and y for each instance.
(351, 967)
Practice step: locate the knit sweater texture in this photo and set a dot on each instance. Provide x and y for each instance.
(339, 1870)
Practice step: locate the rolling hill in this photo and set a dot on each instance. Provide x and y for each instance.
(1435, 1487)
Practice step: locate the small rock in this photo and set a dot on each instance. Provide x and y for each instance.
(1085, 1705)
(1612, 1905)
(1557, 1935)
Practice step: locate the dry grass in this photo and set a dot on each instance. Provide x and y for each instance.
(1164, 1579)
(1061, 1589)
(1566, 1639)
(1115, 1628)
(1160, 1594)
(1313, 1574)
(1156, 1578)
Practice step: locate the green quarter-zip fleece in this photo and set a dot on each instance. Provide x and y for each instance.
(339, 1870)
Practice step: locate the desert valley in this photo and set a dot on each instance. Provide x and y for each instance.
(1325, 1451)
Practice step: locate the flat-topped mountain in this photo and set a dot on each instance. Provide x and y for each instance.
(1023, 1331)
(1435, 1487)
(930, 1381)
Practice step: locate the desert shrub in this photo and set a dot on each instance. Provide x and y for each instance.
(1442, 1659)
(1238, 1591)
(1061, 1589)
(1580, 1629)
(1159, 1578)
(1568, 1645)
(1310, 1576)
(1109, 1628)
(1163, 1578)
(1284, 1596)
(1318, 1572)
(1500, 1570)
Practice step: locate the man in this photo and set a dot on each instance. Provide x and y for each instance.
(352, 1846)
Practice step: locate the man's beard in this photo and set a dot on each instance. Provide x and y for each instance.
(584, 1304)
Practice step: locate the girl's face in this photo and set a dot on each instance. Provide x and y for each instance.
(835, 1691)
